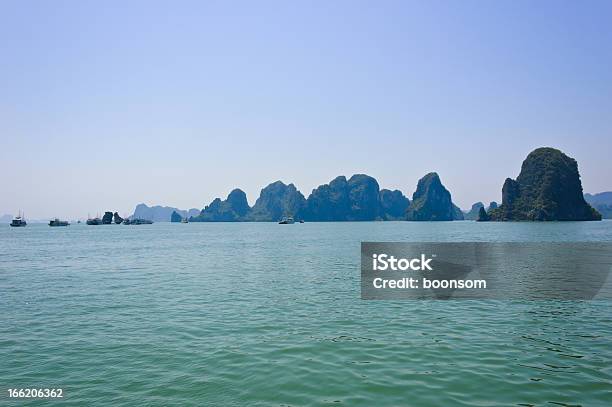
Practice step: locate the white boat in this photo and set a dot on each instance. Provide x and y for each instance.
(18, 222)
(287, 221)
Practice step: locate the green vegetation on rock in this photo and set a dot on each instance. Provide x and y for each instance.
(277, 201)
(233, 209)
(547, 189)
(482, 215)
(393, 205)
(175, 217)
(432, 202)
(602, 202)
(355, 199)
(473, 213)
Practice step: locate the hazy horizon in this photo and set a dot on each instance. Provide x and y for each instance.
(104, 106)
(252, 198)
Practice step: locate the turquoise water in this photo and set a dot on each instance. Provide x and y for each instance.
(263, 314)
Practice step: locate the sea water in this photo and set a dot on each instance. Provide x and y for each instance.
(234, 314)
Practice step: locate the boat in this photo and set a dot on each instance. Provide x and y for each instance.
(57, 222)
(94, 221)
(18, 222)
(301, 220)
(287, 221)
(138, 221)
(185, 220)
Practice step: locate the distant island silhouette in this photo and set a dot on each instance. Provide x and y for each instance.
(547, 189)
(602, 202)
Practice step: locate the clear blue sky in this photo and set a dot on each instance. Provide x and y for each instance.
(107, 104)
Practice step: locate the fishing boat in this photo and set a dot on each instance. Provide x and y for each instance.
(57, 222)
(18, 221)
(185, 220)
(287, 221)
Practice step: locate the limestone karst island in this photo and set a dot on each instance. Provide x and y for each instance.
(548, 188)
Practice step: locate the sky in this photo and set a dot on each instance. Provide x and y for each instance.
(104, 105)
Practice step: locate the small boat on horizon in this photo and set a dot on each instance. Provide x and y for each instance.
(185, 220)
(137, 221)
(287, 221)
(94, 221)
(57, 222)
(18, 221)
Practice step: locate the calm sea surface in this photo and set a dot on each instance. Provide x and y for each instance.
(265, 314)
